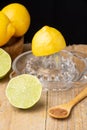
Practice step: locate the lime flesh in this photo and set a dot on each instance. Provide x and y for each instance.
(5, 63)
(24, 91)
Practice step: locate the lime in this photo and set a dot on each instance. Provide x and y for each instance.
(23, 91)
(5, 63)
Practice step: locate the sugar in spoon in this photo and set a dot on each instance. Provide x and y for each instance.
(63, 110)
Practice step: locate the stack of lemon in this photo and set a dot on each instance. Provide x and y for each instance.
(14, 22)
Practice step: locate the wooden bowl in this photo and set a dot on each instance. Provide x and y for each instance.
(14, 47)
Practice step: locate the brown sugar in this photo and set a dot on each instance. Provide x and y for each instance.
(58, 112)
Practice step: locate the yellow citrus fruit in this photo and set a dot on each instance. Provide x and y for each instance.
(6, 29)
(46, 41)
(24, 91)
(19, 16)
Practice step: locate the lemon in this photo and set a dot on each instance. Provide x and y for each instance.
(24, 91)
(6, 29)
(19, 16)
(5, 63)
(47, 41)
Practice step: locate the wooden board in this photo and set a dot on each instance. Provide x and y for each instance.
(37, 118)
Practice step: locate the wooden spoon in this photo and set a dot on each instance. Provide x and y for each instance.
(63, 111)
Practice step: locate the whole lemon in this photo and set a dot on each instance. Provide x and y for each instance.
(19, 16)
(7, 30)
(47, 41)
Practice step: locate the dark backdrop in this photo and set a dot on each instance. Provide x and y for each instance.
(68, 16)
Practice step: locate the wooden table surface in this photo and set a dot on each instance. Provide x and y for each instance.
(37, 118)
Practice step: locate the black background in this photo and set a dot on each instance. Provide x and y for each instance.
(68, 16)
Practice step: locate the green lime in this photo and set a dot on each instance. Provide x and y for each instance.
(5, 63)
(24, 91)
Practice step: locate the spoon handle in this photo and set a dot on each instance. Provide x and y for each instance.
(79, 97)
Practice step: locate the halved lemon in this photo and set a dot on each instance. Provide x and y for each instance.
(47, 41)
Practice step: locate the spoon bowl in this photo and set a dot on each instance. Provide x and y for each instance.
(63, 111)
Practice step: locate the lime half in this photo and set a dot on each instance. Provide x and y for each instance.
(5, 63)
(24, 91)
